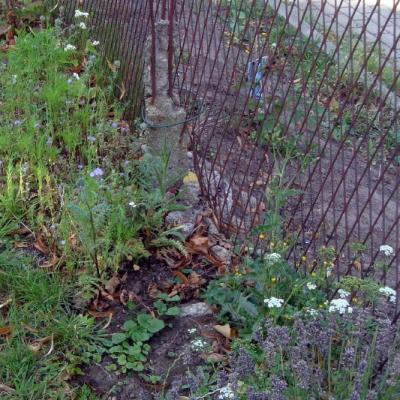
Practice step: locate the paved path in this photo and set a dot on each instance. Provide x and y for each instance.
(379, 17)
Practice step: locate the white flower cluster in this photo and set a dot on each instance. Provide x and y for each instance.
(69, 47)
(226, 393)
(386, 250)
(274, 302)
(311, 286)
(199, 344)
(82, 25)
(82, 14)
(273, 257)
(343, 293)
(341, 306)
(389, 293)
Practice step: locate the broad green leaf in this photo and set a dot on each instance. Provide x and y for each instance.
(118, 337)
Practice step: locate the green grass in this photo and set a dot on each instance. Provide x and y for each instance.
(60, 123)
(47, 339)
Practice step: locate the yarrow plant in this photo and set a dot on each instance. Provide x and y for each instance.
(386, 250)
(341, 306)
(274, 302)
(311, 286)
(81, 14)
(389, 293)
(273, 257)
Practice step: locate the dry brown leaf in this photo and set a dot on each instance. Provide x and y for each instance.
(357, 265)
(182, 277)
(123, 91)
(195, 279)
(153, 291)
(100, 314)
(50, 263)
(37, 345)
(5, 330)
(6, 389)
(214, 357)
(113, 284)
(39, 245)
(21, 245)
(224, 330)
(112, 66)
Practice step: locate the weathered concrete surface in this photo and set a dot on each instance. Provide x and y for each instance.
(163, 115)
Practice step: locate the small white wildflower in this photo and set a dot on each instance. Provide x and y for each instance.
(311, 286)
(132, 204)
(76, 76)
(69, 47)
(274, 302)
(62, 242)
(82, 14)
(273, 257)
(273, 45)
(311, 311)
(14, 79)
(340, 305)
(198, 344)
(95, 43)
(226, 393)
(389, 293)
(192, 331)
(91, 138)
(386, 250)
(82, 25)
(343, 293)
(328, 272)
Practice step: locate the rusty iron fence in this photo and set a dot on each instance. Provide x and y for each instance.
(295, 139)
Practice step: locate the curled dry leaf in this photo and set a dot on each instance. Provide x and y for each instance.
(224, 330)
(51, 346)
(37, 345)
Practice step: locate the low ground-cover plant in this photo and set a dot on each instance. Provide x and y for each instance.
(304, 337)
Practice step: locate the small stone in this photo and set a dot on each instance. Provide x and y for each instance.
(191, 193)
(196, 310)
(175, 218)
(222, 254)
(187, 229)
